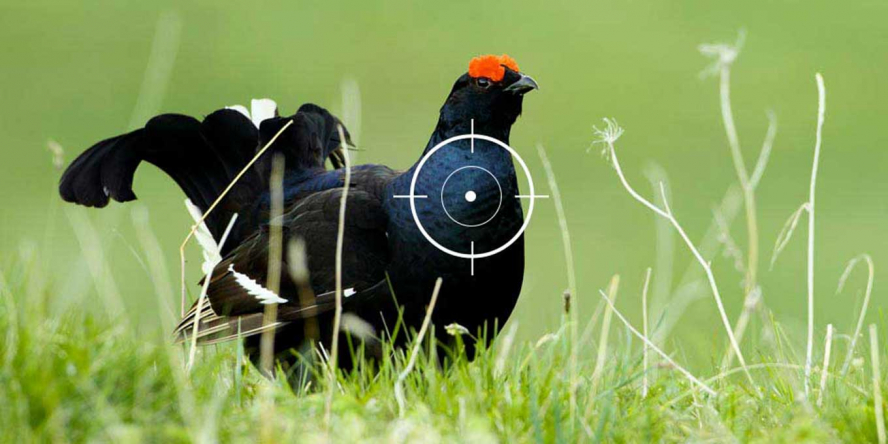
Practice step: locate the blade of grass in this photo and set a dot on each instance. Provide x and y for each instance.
(824, 372)
(605, 332)
(417, 343)
(653, 347)
(644, 314)
(571, 279)
(877, 381)
(821, 111)
(337, 314)
(863, 309)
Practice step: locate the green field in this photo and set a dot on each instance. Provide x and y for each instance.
(77, 72)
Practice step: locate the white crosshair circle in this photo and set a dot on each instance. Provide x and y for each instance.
(471, 196)
(471, 255)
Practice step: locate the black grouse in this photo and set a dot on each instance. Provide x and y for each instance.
(465, 196)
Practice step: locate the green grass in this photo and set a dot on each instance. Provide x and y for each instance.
(73, 374)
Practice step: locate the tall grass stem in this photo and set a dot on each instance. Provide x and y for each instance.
(337, 314)
(821, 111)
(417, 343)
(571, 279)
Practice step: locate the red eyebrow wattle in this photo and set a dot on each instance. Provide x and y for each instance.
(491, 66)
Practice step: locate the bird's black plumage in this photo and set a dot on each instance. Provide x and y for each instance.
(384, 249)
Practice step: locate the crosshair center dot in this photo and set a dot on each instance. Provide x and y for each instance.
(470, 196)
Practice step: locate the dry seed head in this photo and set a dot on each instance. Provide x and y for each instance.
(609, 134)
(455, 329)
(566, 297)
(722, 54)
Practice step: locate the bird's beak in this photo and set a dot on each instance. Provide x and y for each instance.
(523, 85)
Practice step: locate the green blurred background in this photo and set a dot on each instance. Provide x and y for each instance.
(73, 72)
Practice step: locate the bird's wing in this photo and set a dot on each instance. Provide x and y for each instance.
(307, 143)
(314, 219)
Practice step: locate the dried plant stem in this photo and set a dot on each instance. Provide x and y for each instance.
(753, 293)
(273, 283)
(192, 349)
(399, 383)
(213, 206)
(709, 246)
(750, 303)
(765, 153)
(571, 279)
(667, 213)
(863, 308)
(821, 110)
(824, 372)
(337, 314)
(877, 383)
(653, 347)
(752, 254)
(275, 254)
(644, 314)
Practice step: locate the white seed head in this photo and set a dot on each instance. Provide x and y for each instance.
(721, 54)
(455, 329)
(609, 134)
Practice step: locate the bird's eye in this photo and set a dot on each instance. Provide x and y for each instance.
(484, 82)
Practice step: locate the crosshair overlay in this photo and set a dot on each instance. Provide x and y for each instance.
(470, 196)
(413, 196)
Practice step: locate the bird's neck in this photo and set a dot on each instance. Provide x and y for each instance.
(435, 169)
(447, 129)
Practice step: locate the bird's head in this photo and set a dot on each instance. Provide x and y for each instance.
(490, 93)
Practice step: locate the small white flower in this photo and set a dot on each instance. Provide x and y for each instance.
(455, 329)
(260, 110)
(262, 294)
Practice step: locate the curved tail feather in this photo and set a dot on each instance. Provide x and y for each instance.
(203, 158)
